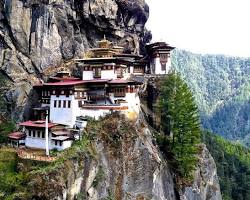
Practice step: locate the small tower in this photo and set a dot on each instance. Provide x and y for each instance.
(104, 43)
(159, 57)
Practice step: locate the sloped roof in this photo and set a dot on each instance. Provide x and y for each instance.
(17, 135)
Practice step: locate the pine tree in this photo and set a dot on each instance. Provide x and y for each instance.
(180, 121)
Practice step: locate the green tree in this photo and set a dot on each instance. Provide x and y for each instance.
(180, 121)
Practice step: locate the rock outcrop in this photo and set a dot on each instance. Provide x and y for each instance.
(206, 183)
(121, 163)
(37, 35)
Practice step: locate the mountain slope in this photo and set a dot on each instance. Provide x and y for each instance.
(221, 86)
(233, 166)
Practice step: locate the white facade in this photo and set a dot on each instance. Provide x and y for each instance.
(108, 74)
(61, 114)
(156, 67)
(60, 145)
(37, 141)
(94, 113)
(88, 75)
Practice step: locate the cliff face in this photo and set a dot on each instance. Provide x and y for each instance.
(38, 35)
(206, 182)
(123, 162)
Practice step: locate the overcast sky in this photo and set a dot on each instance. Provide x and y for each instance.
(203, 26)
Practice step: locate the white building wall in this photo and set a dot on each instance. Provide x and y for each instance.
(63, 115)
(65, 144)
(132, 99)
(37, 142)
(87, 75)
(108, 74)
(94, 113)
(158, 66)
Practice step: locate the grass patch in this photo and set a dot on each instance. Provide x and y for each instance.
(10, 180)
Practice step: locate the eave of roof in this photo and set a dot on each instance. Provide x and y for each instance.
(17, 135)
(37, 124)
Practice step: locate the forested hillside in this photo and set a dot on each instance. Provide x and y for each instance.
(221, 86)
(233, 166)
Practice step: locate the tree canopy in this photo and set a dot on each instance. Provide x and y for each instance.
(179, 118)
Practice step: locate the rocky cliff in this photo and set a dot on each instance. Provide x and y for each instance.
(37, 36)
(119, 160)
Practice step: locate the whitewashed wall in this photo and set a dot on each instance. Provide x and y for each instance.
(108, 74)
(35, 142)
(158, 70)
(62, 115)
(95, 113)
(65, 144)
(87, 75)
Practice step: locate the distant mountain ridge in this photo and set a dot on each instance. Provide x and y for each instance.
(221, 85)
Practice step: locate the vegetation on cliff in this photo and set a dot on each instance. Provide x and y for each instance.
(233, 166)
(180, 123)
(221, 86)
(11, 180)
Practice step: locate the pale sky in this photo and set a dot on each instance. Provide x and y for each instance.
(202, 26)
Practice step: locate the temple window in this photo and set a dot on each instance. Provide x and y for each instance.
(57, 93)
(119, 92)
(138, 69)
(34, 134)
(64, 103)
(43, 134)
(55, 102)
(59, 103)
(97, 72)
(67, 92)
(30, 133)
(163, 67)
(69, 104)
(119, 73)
(38, 133)
(163, 60)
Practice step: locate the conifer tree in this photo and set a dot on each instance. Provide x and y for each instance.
(179, 116)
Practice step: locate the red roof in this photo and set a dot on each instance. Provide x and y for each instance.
(64, 83)
(37, 124)
(74, 82)
(117, 81)
(96, 81)
(64, 79)
(17, 135)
